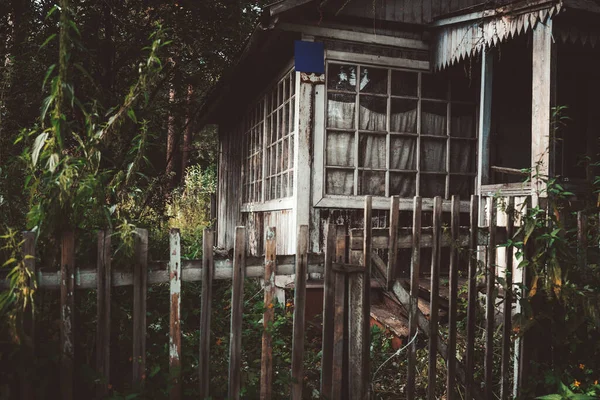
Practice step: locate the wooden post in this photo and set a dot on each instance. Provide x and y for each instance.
(299, 311)
(453, 300)
(485, 119)
(415, 265)
(266, 359)
(505, 390)
(103, 291)
(140, 279)
(174, 316)
(338, 316)
(490, 300)
(28, 252)
(205, 311)
(393, 253)
(472, 297)
(328, 314)
(542, 86)
(434, 296)
(359, 289)
(67, 307)
(237, 305)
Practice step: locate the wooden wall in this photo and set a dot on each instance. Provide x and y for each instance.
(230, 187)
(283, 221)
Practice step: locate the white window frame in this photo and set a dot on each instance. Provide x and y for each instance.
(323, 200)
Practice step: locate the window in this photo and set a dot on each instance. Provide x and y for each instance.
(392, 132)
(268, 130)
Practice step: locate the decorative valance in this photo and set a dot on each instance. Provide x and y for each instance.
(461, 37)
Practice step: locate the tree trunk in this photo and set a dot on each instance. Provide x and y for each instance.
(189, 130)
(172, 142)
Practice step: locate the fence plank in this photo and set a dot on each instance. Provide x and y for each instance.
(103, 292)
(266, 359)
(175, 314)
(490, 300)
(393, 252)
(453, 300)
(140, 282)
(415, 264)
(434, 299)
(359, 316)
(28, 351)
(299, 311)
(338, 316)
(328, 314)
(505, 389)
(205, 311)
(237, 304)
(67, 304)
(471, 297)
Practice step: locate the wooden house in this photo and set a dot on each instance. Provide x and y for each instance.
(418, 97)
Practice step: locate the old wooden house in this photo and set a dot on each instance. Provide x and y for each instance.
(417, 97)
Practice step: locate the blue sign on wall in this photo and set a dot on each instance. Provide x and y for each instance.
(309, 57)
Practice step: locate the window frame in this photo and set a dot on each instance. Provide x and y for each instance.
(287, 73)
(320, 196)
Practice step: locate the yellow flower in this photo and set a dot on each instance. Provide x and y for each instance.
(576, 383)
(596, 382)
(581, 366)
(219, 341)
(270, 305)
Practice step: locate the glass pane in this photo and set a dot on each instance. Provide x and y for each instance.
(341, 77)
(278, 157)
(434, 86)
(340, 149)
(405, 83)
(433, 185)
(433, 155)
(373, 80)
(371, 151)
(462, 120)
(286, 84)
(371, 182)
(373, 112)
(282, 123)
(462, 156)
(268, 189)
(341, 110)
(284, 157)
(339, 182)
(404, 116)
(286, 119)
(433, 118)
(284, 185)
(462, 186)
(268, 163)
(293, 85)
(403, 185)
(464, 88)
(403, 153)
(280, 94)
(273, 159)
(292, 144)
(293, 114)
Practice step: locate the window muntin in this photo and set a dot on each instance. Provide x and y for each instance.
(268, 131)
(409, 135)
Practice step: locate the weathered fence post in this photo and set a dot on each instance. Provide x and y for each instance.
(299, 311)
(205, 311)
(67, 304)
(266, 359)
(434, 296)
(140, 282)
(490, 300)
(237, 304)
(339, 316)
(359, 289)
(28, 252)
(505, 390)
(174, 315)
(393, 252)
(472, 299)
(453, 299)
(328, 310)
(415, 265)
(103, 293)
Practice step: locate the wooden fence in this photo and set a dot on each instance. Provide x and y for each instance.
(347, 267)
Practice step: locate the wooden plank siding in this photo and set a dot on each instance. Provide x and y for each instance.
(229, 197)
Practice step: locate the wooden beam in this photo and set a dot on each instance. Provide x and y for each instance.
(208, 266)
(417, 65)
(103, 309)
(328, 313)
(237, 305)
(67, 315)
(140, 283)
(542, 84)
(485, 119)
(266, 359)
(352, 36)
(299, 314)
(381, 203)
(174, 315)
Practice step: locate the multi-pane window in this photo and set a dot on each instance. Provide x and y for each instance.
(268, 130)
(392, 132)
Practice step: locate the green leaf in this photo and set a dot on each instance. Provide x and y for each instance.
(9, 261)
(48, 73)
(46, 105)
(550, 397)
(52, 10)
(48, 40)
(38, 144)
(582, 397)
(131, 115)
